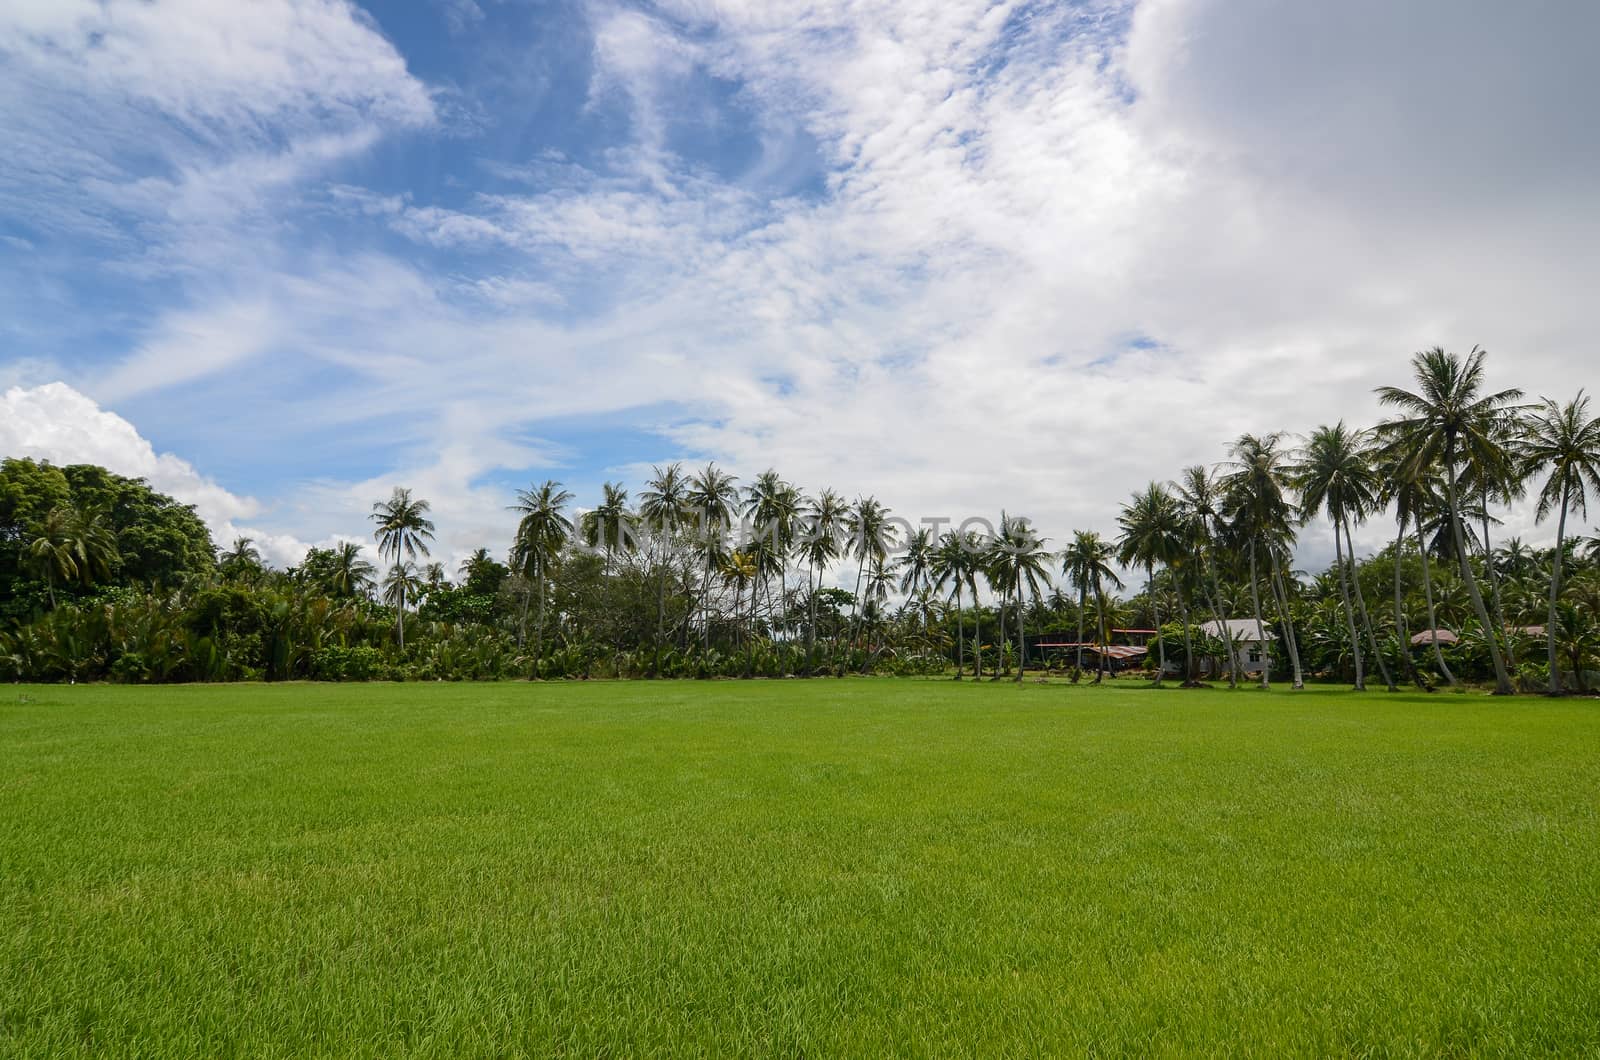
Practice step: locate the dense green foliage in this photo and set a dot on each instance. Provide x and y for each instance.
(106, 531)
(705, 576)
(865, 867)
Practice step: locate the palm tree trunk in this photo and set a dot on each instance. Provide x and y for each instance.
(855, 616)
(1261, 632)
(811, 619)
(1224, 630)
(1022, 636)
(1366, 620)
(1433, 618)
(1189, 677)
(1155, 610)
(977, 637)
(400, 619)
(1501, 630)
(1281, 592)
(961, 634)
(538, 622)
(1100, 634)
(1555, 594)
(1502, 681)
(1083, 603)
(661, 621)
(1000, 639)
(1401, 634)
(1349, 609)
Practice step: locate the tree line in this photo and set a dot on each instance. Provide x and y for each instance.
(699, 574)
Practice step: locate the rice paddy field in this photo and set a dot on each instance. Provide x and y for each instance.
(862, 867)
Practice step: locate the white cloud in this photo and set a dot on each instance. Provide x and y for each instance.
(1054, 251)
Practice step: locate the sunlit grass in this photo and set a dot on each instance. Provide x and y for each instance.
(795, 867)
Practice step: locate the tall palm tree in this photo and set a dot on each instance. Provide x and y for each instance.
(1152, 533)
(663, 506)
(954, 563)
(774, 506)
(351, 574)
(541, 534)
(1336, 478)
(1086, 562)
(916, 565)
(1199, 505)
(1260, 515)
(403, 531)
(1019, 563)
(608, 526)
(818, 546)
(712, 498)
(1563, 443)
(1446, 420)
(739, 568)
(867, 522)
(1406, 488)
(1496, 476)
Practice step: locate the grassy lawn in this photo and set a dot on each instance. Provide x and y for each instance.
(861, 866)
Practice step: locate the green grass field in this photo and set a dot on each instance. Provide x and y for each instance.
(831, 867)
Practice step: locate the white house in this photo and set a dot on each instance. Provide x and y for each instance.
(1253, 645)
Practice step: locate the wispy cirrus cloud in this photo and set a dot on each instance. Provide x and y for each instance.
(960, 255)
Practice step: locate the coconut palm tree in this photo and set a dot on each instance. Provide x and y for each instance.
(712, 498)
(1448, 419)
(541, 534)
(1335, 478)
(1496, 476)
(1563, 444)
(739, 569)
(52, 552)
(818, 545)
(474, 564)
(954, 563)
(1019, 561)
(1199, 505)
(1152, 533)
(403, 532)
(867, 522)
(609, 525)
(663, 506)
(1086, 562)
(402, 583)
(1260, 514)
(1408, 489)
(916, 565)
(774, 506)
(241, 561)
(351, 574)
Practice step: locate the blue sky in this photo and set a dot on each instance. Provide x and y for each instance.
(963, 255)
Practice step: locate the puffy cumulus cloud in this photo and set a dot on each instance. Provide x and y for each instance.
(56, 423)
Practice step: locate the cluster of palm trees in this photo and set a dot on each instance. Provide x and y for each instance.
(702, 566)
(1452, 449)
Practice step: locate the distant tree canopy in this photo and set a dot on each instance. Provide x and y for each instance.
(144, 538)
